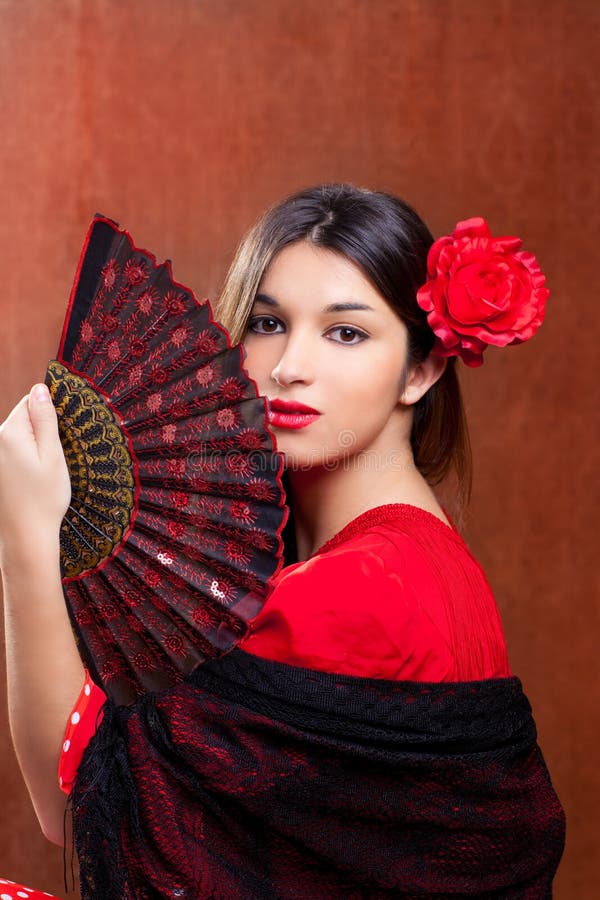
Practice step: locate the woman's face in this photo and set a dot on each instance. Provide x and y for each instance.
(334, 345)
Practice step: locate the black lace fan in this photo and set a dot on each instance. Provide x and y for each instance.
(174, 527)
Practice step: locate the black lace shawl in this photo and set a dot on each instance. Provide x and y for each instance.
(254, 779)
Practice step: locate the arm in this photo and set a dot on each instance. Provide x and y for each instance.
(44, 672)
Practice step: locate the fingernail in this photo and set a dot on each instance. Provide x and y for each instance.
(41, 393)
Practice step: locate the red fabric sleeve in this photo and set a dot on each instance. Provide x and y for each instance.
(345, 612)
(85, 717)
(384, 605)
(10, 890)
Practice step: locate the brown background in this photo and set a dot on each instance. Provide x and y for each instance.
(184, 119)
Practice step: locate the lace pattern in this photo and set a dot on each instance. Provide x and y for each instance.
(255, 779)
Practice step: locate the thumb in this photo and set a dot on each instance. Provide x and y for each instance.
(43, 417)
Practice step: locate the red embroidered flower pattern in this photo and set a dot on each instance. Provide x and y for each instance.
(159, 376)
(206, 343)
(231, 389)
(113, 351)
(175, 529)
(177, 581)
(132, 598)
(135, 271)
(248, 439)
(261, 540)
(152, 577)
(146, 301)
(179, 335)
(154, 402)
(169, 433)
(142, 661)
(226, 419)
(206, 461)
(179, 499)
(205, 375)
(238, 553)
(176, 467)
(238, 464)
(135, 373)
(202, 617)
(109, 611)
(136, 625)
(159, 603)
(137, 347)
(241, 511)
(86, 332)
(221, 590)
(109, 274)
(211, 542)
(260, 489)
(109, 323)
(174, 643)
(481, 290)
(175, 303)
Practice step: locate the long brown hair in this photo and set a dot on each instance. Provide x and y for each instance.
(389, 242)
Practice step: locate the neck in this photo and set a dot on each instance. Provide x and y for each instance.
(323, 500)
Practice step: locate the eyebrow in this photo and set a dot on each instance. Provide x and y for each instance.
(333, 307)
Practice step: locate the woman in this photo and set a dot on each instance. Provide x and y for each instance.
(367, 738)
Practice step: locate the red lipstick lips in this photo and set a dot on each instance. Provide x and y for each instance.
(291, 414)
(292, 406)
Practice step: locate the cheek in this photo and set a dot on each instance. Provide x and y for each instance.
(256, 364)
(364, 402)
(372, 385)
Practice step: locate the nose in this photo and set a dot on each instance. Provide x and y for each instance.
(296, 362)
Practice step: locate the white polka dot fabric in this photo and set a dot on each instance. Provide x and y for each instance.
(81, 725)
(10, 890)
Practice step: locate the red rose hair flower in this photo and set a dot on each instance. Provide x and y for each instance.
(481, 290)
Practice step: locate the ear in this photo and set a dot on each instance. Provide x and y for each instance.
(421, 377)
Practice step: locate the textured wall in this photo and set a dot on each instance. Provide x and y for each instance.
(183, 119)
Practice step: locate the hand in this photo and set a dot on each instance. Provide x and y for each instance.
(35, 489)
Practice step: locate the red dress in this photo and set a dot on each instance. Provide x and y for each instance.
(10, 890)
(396, 594)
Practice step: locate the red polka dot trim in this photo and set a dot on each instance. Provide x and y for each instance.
(10, 890)
(83, 721)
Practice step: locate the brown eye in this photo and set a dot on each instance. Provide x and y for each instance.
(263, 325)
(347, 335)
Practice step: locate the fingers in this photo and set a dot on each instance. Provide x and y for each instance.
(43, 418)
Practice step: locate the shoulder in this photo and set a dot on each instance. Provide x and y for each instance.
(393, 595)
(391, 558)
(359, 607)
(367, 557)
(395, 541)
(398, 557)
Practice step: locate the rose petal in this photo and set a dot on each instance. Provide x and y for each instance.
(443, 331)
(446, 255)
(424, 298)
(463, 307)
(475, 227)
(507, 244)
(472, 358)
